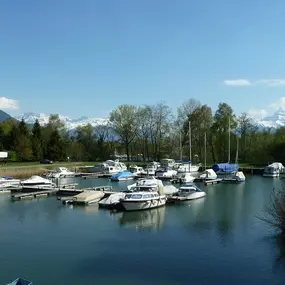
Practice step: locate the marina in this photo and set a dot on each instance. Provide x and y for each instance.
(222, 222)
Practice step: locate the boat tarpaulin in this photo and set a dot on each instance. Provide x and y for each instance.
(225, 167)
(20, 281)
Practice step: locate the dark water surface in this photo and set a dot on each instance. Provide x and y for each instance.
(215, 240)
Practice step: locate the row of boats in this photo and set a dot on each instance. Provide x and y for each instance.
(145, 193)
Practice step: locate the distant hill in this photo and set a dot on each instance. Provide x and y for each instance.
(4, 116)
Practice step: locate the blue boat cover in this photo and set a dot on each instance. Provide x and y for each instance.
(122, 174)
(225, 167)
(20, 281)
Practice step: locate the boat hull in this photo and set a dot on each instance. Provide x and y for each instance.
(122, 178)
(143, 205)
(181, 199)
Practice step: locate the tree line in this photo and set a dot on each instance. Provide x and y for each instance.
(149, 132)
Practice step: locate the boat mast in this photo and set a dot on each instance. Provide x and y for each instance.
(205, 150)
(190, 154)
(180, 145)
(229, 158)
(236, 162)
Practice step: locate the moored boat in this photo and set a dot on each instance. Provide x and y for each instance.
(36, 180)
(187, 192)
(9, 181)
(165, 173)
(88, 197)
(273, 169)
(208, 174)
(225, 168)
(144, 196)
(136, 170)
(61, 172)
(183, 178)
(113, 201)
(123, 176)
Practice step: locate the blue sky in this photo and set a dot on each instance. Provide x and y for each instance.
(85, 57)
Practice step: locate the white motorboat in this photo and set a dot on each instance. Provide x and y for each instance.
(187, 192)
(145, 195)
(150, 169)
(273, 170)
(165, 173)
(109, 167)
(208, 174)
(122, 176)
(152, 182)
(88, 197)
(185, 177)
(36, 180)
(8, 181)
(61, 172)
(136, 170)
(168, 162)
(188, 167)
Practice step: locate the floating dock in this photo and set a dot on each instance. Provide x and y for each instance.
(34, 195)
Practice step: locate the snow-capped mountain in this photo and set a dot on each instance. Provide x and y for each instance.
(70, 123)
(275, 121)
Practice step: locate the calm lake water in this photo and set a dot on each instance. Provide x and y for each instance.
(215, 240)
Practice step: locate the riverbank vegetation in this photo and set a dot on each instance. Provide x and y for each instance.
(275, 212)
(150, 132)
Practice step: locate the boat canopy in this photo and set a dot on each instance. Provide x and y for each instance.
(20, 281)
(225, 167)
(122, 174)
(240, 175)
(276, 165)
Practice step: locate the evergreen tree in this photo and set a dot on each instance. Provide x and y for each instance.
(55, 148)
(37, 141)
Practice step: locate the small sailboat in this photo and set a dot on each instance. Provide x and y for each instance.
(183, 178)
(208, 174)
(226, 168)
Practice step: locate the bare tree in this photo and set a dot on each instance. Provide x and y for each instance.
(124, 121)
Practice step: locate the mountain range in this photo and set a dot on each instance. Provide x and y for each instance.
(69, 123)
(274, 121)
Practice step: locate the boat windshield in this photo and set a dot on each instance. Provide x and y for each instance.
(133, 196)
(145, 188)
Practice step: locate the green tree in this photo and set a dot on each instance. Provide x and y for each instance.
(55, 148)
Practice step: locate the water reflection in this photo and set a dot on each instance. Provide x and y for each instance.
(148, 219)
(92, 209)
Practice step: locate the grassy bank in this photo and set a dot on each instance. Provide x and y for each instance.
(22, 172)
